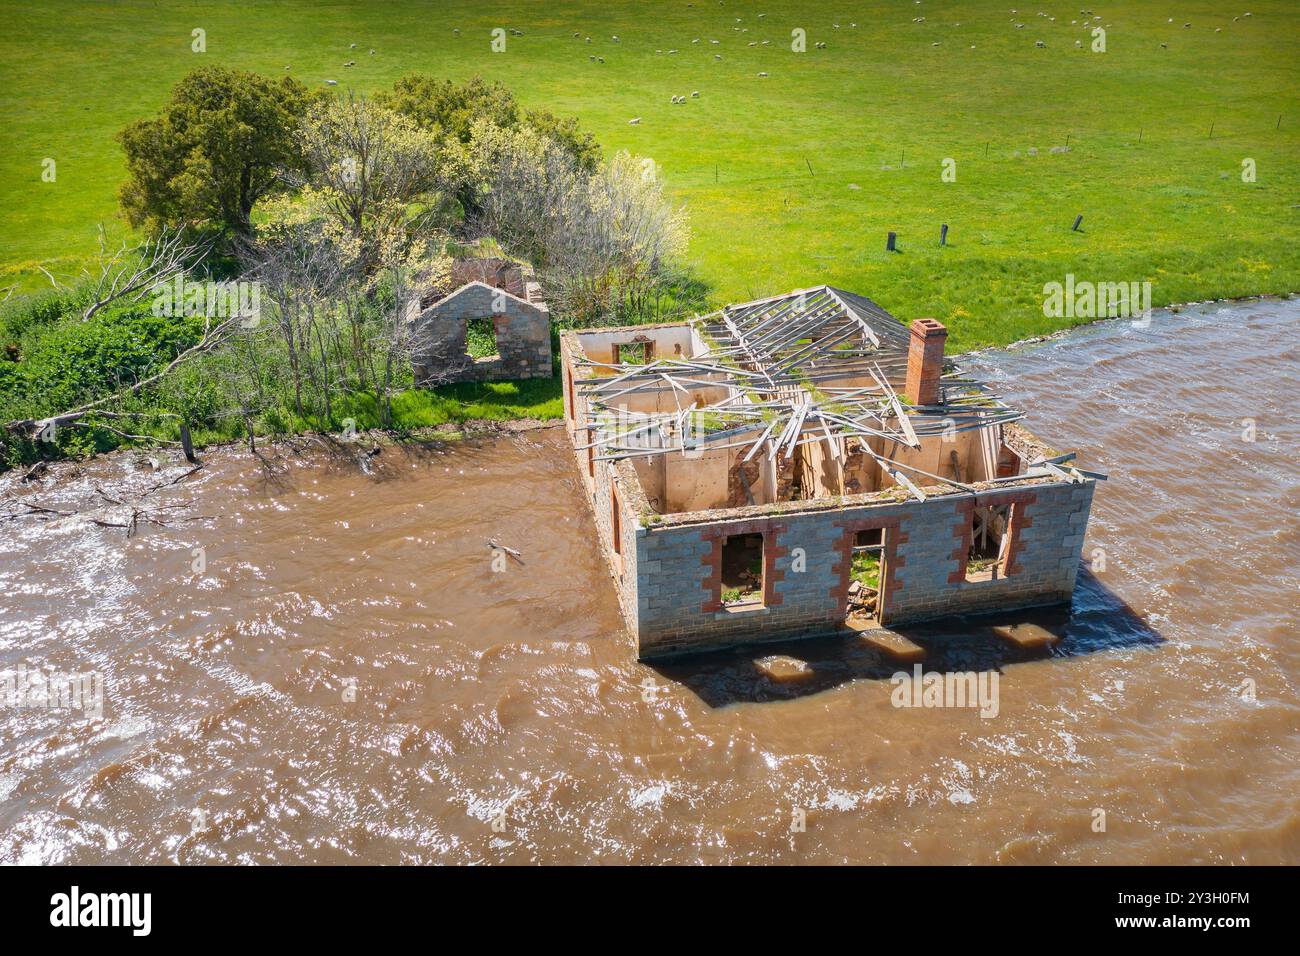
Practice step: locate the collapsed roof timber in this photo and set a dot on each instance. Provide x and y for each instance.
(814, 365)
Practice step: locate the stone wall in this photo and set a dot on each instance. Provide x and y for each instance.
(523, 333)
(598, 479)
(677, 606)
(499, 273)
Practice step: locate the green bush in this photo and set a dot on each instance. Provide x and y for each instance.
(65, 362)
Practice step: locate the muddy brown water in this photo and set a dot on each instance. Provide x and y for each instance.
(349, 680)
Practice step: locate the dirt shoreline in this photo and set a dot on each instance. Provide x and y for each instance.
(363, 441)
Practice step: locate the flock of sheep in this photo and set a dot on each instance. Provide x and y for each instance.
(1089, 22)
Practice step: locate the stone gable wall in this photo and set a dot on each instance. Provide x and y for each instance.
(523, 334)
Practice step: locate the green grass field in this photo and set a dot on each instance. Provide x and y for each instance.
(790, 179)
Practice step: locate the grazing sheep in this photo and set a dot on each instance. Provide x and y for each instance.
(717, 56)
(331, 82)
(1040, 44)
(600, 59)
(695, 94)
(763, 74)
(634, 122)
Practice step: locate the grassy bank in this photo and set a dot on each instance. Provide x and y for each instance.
(64, 362)
(791, 179)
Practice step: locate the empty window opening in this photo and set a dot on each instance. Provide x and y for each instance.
(481, 338)
(634, 353)
(866, 572)
(615, 525)
(742, 570)
(988, 542)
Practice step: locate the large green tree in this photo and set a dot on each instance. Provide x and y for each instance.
(224, 140)
(452, 111)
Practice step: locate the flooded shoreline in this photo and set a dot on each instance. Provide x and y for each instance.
(347, 678)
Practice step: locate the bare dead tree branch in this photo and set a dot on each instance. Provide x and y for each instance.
(130, 272)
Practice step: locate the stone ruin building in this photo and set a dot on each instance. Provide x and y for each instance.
(806, 464)
(501, 295)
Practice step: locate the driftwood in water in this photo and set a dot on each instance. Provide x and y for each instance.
(156, 515)
(517, 555)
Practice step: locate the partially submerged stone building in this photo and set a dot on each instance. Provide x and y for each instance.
(804, 464)
(507, 300)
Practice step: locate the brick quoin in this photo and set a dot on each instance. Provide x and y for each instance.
(1016, 521)
(844, 564)
(712, 559)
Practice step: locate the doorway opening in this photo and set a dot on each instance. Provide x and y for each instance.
(986, 560)
(866, 579)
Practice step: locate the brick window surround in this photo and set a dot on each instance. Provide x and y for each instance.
(890, 527)
(1017, 521)
(714, 538)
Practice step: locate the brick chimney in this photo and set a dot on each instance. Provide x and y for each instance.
(925, 361)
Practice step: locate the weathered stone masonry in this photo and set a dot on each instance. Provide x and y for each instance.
(667, 563)
(676, 605)
(520, 318)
